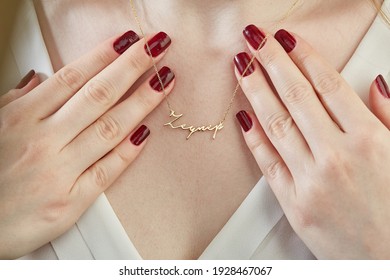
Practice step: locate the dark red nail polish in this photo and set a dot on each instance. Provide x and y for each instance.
(159, 43)
(125, 41)
(242, 61)
(254, 36)
(26, 79)
(166, 76)
(382, 86)
(287, 41)
(140, 135)
(245, 120)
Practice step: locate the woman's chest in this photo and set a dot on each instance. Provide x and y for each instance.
(179, 193)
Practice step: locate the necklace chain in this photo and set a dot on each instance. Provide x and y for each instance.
(192, 129)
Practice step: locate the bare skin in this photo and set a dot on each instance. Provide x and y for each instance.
(178, 194)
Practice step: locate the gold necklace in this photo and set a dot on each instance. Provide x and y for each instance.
(213, 128)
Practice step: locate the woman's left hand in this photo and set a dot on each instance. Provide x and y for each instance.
(323, 152)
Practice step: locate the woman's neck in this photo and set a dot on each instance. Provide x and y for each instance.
(205, 7)
(214, 21)
(209, 12)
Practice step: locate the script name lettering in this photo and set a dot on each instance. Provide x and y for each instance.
(192, 129)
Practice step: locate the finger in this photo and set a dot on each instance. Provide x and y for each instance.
(28, 83)
(341, 102)
(57, 90)
(294, 89)
(106, 88)
(26, 79)
(273, 116)
(112, 127)
(103, 173)
(271, 164)
(380, 100)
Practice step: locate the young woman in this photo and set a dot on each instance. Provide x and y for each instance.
(323, 152)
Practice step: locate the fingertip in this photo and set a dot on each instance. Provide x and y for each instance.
(163, 80)
(140, 135)
(382, 86)
(379, 92)
(380, 99)
(255, 37)
(125, 41)
(34, 82)
(26, 79)
(28, 83)
(158, 44)
(244, 64)
(286, 40)
(244, 120)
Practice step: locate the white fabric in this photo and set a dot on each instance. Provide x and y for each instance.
(257, 230)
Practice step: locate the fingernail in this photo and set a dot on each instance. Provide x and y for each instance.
(159, 43)
(254, 36)
(26, 79)
(245, 120)
(125, 41)
(287, 41)
(166, 76)
(382, 86)
(140, 135)
(241, 61)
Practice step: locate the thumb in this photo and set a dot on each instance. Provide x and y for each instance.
(380, 100)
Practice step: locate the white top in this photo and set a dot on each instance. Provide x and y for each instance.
(257, 230)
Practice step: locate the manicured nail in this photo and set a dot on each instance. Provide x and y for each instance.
(382, 86)
(140, 135)
(245, 120)
(125, 41)
(159, 43)
(166, 76)
(287, 41)
(242, 61)
(26, 79)
(254, 36)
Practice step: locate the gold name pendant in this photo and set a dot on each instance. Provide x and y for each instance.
(192, 129)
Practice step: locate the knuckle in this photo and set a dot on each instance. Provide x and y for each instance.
(70, 77)
(137, 62)
(326, 83)
(269, 58)
(305, 58)
(100, 92)
(252, 91)
(367, 143)
(279, 124)
(124, 157)
(312, 205)
(328, 165)
(108, 128)
(254, 143)
(100, 176)
(331, 165)
(304, 217)
(103, 58)
(33, 153)
(33, 149)
(145, 101)
(55, 211)
(273, 170)
(296, 93)
(9, 119)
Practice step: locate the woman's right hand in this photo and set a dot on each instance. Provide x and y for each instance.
(66, 141)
